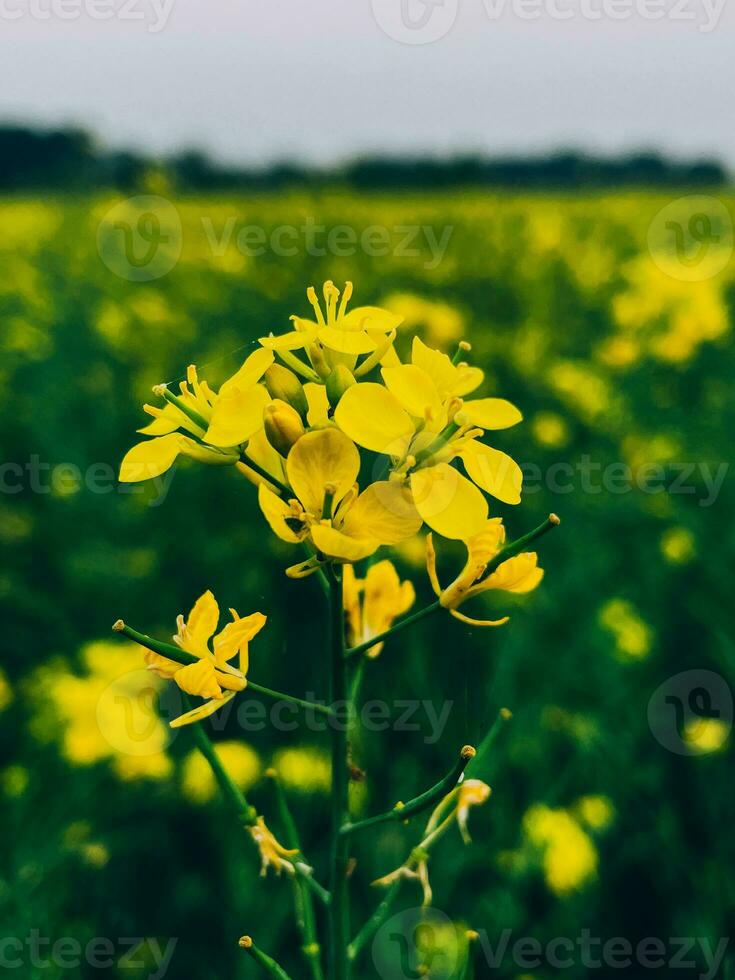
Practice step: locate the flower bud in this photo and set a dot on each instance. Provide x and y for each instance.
(283, 426)
(337, 383)
(284, 385)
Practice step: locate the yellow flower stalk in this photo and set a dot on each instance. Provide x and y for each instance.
(420, 419)
(336, 337)
(211, 677)
(518, 574)
(372, 604)
(327, 509)
(208, 426)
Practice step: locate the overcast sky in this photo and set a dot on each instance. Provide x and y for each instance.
(255, 80)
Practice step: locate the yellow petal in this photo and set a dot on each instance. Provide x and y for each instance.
(386, 597)
(346, 341)
(237, 416)
(316, 396)
(374, 419)
(520, 574)
(384, 512)
(414, 389)
(294, 340)
(275, 510)
(492, 470)
(370, 318)
(478, 622)
(334, 544)
(165, 420)
(431, 564)
(203, 618)
(318, 458)
(448, 502)
(236, 635)
(437, 365)
(250, 373)
(203, 711)
(467, 379)
(161, 666)
(150, 459)
(199, 679)
(491, 413)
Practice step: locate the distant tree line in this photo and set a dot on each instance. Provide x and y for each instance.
(69, 159)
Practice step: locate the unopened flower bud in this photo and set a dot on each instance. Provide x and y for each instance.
(283, 426)
(284, 385)
(338, 382)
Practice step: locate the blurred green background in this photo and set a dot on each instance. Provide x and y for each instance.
(617, 351)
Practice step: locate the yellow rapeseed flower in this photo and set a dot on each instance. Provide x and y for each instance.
(327, 508)
(272, 854)
(373, 603)
(419, 419)
(520, 574)
(304, 769)
(336, 338)
(632, 635)
(212, 672)
(200, 423)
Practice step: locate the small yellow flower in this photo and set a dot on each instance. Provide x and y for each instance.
(304, 769)
(373, 603)
(205, 425)
(272, 854)
(471, 792)
(705, 735)
(327, 508)
(418, 417)
(569, 857)
(336, 338)
(212, 672)
(520, 574)
(239, 760)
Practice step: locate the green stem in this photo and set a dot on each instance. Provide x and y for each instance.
(303, 898)
(246, 813)
(408, 621)
(338, 910)
(375, 921)
(279, 696)
(262, 959)
(422, 802)
(476, 768)
(274, 481)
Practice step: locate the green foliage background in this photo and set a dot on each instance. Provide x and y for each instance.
(554, 293)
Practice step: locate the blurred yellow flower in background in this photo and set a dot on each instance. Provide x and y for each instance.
(550, 430)
(443, 325)
(304, 769)
(633, 636)
(678, 545)
(568, 855)
(705, 735)
(107, 713)
(596, 811)
(240, 761)
(6, 691)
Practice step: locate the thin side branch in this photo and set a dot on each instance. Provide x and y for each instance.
(437, 792)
